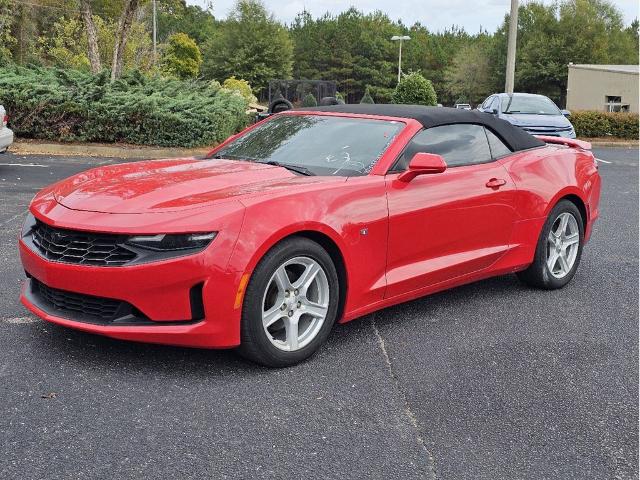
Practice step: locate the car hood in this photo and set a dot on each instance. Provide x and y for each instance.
(531, 120)
(172, 185)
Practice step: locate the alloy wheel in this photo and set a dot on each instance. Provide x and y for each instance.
(295, 303)
(562, 245)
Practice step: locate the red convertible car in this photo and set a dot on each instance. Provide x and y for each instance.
(306, 219)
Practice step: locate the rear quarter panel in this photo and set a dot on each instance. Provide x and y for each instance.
(543, 176)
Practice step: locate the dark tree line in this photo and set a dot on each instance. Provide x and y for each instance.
(350, 47)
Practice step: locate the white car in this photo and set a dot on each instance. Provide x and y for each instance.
(463, 106)
(6, 135)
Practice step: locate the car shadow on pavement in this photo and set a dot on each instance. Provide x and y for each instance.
(85, 348)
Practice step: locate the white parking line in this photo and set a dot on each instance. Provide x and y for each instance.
(23, 165)
(603, 161)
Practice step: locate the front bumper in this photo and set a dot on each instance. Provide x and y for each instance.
(161, 292)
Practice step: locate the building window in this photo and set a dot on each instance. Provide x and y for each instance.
(613, 103)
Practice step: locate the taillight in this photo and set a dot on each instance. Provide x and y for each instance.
(5, 120)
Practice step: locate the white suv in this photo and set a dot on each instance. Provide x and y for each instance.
(6, 135)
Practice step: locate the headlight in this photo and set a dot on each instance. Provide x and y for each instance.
(171, 242)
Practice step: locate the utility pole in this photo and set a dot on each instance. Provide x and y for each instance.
(155, 29)
(511, 48)
(400, 38)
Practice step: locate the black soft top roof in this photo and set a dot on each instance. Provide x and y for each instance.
(515, 138)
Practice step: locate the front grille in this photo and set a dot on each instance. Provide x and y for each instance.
(73, 305)
(83, 248)
(553, 131)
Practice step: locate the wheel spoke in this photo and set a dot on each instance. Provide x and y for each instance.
(553, 259)
(272, 315)
(282, 280)
(564, 219)
(564, 264)
(315, 309)
(571, 240)
(307, 277)
(291, 328)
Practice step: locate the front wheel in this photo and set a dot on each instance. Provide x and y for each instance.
(559, 249)
(290, 304)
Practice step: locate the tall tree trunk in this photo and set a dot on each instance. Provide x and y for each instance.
(92, 36)
(124, 26)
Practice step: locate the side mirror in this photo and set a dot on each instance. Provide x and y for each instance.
(566, 113)
(423, 164)
(494, 111)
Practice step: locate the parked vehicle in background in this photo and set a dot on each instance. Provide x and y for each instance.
(463, 106)
(535, 114)
(6, 135)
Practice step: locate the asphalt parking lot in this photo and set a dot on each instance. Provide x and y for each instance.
(488, 381)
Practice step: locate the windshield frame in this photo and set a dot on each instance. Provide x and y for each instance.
(408, 127)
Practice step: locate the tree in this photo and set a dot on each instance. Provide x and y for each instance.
(242, 87)
(550, 37)
(92, 36)
(122, 35)
(251, 44)
(414, 89)
(309, 100)
(469, 75)
(367, 98)
(175, 16)
(6, 39)
(67, 45)
(181, 57)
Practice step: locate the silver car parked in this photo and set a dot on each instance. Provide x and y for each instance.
(6, 135)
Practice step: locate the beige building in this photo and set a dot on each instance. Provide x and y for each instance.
(608, 88)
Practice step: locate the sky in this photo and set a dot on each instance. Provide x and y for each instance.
(436, 15)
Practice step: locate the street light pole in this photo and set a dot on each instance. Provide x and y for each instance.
(511, 48)
(400, 38)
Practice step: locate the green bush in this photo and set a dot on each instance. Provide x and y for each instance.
(240, 86)
(181, 57)
(414, 89)
(367, 98)
(605, 124)
(309, 100)
(69, 105)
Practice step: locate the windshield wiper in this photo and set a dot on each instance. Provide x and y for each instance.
(293, 168)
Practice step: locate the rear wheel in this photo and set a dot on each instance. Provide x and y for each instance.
(290, 304)
(559, 249)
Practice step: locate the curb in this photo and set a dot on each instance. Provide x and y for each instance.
(22, 147)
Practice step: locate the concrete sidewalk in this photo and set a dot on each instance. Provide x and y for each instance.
(34, 147)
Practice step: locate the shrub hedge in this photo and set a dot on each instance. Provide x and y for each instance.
(605, 124)
(69, 105)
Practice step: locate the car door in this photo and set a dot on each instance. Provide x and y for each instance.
(450, 224)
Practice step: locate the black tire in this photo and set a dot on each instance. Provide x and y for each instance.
(280, 105)
(255, 345)
(538, 274)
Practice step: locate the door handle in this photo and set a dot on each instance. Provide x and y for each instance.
(496, 183)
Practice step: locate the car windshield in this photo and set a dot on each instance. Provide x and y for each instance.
(530, 105)
(315, 144)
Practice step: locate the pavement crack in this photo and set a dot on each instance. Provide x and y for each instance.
(413, 420)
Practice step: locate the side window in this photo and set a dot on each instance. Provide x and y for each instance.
(460, 144)
(487, 102)
(495, 104)
(498, 148)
